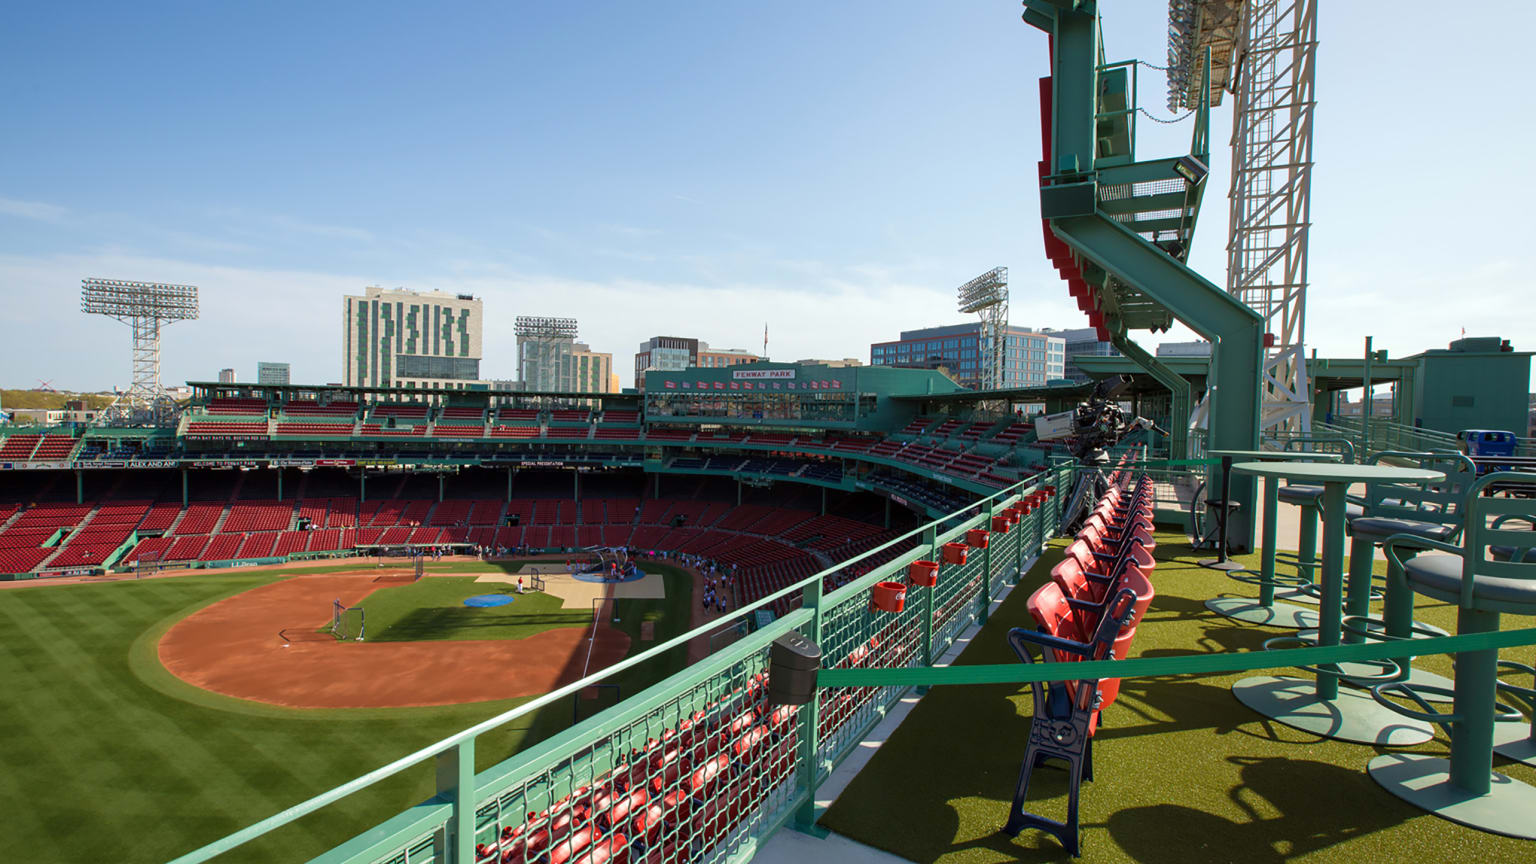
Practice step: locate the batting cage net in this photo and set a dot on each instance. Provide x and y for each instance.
(347, 622)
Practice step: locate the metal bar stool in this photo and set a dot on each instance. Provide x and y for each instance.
(1432, 511)
(1265, 610)
(1515, 738)
(1309, 498)
(1464, 788)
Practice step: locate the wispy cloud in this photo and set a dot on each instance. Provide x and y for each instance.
(263, 225)
(37, 211)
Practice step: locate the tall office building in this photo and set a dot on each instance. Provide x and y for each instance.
(1031, 357)
(550, 360)
(271, 373)
(665, 354)
(592, 371)
(226, 376)
(1082, 342)
(676, 353)
(426, 340)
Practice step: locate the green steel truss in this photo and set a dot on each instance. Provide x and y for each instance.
(1120, 230)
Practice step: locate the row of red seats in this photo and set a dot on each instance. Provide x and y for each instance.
(1089, 610)
(673, 800)
(259, 516)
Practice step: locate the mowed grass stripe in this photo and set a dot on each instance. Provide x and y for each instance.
(102, 752)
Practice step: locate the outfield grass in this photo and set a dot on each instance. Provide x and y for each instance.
(1183, 771)
(433, 609)
(104, 755)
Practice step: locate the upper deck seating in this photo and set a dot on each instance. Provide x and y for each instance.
(237, 407)
(54, 448)
(18, 448)
(226, 429)
(310, 408)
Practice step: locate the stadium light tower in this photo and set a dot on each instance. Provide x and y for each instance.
(539, 344)
(1264, 52)
(987, 296)
(146, 307)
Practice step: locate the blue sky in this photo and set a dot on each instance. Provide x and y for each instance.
(694, 169)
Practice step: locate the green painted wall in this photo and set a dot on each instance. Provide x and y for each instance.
(1455, 390)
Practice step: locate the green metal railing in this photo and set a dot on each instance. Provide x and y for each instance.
(666, 741)
(1385, 435)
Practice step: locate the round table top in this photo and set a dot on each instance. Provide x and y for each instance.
(1278, 455)
(1325, 473)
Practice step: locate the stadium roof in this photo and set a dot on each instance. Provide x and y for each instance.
(412, 392)
(1012, 394)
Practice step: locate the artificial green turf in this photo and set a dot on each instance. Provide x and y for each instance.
(432, 609)
(106, 756)
(1183, 771)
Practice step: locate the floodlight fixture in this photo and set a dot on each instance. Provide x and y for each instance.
(533, 327)
(541, 342)
(146, 307)
(988, 289)
(1191, 169)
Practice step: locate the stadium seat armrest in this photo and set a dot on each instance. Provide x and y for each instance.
(1018, 635)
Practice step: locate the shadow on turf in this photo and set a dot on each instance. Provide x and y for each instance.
(1288, 808)
(442, 623)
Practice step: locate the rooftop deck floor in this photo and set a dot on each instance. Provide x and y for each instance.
(1184, 771)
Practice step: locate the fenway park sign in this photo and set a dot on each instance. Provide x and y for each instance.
(761, 374)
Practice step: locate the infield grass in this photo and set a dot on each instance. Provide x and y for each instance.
(433, 609)
(106, 756)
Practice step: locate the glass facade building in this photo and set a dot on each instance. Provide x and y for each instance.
(1031, 357)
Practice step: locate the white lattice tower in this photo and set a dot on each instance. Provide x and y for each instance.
(987, 296)
(1271, 193)
(145, 307)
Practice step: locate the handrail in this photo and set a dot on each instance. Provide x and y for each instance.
(298, 811)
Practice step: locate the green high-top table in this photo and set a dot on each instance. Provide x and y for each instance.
(1265, 610)
(1319, 707)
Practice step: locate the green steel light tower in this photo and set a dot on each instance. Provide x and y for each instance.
(1118, 229)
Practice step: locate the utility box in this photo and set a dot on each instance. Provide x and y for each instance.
(793, 661)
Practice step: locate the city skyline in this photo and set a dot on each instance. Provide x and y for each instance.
(836, 194)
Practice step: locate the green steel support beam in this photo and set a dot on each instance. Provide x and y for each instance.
(1178, 385)
(810, 724)
(986, 568)
(1234, 330)
(1069, 201)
